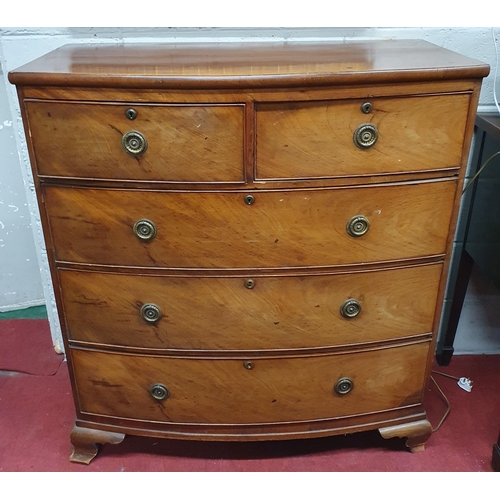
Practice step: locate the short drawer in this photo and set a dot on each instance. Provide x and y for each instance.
(301, 140)
(239, 391)
(240, 313)
(275, 229)
(184, 143)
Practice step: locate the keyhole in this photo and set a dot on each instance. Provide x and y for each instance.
(131, 114)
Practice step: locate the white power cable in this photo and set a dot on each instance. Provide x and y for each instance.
(496, 70)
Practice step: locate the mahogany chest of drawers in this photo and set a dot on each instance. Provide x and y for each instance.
(249, 242)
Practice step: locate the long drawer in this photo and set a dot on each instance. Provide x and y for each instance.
(269, 229)
(183, 143)
(317, 139)
(240, 391)
(239, 313)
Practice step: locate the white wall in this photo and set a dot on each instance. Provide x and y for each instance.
(21, 45)
(20, 279)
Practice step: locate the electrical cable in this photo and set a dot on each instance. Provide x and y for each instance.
(496, 104)
(448, 405)
(445, 375)
(434, 429)
(496, 69)
(480, 170)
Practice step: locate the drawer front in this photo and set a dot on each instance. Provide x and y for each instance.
(223, 314)
(225, 391)
(315, 139)
(219, 230)
(184, 143)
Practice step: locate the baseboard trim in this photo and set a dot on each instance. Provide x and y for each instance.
(479, 352)
(487, 108)
(22, 305)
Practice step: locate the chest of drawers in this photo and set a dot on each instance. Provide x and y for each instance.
(249, 242)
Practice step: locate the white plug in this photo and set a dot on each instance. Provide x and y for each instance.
(465, 384)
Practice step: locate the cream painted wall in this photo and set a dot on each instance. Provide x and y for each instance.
(21, 45)
(20, 279)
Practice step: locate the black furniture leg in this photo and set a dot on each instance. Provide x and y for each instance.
(445, 347)
(495, 461)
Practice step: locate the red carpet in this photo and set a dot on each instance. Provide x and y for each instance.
(26, 347)
(37, 415)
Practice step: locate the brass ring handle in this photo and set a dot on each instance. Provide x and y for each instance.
(159, 392)
(134, 143)
(350, 308)
(145, 229)
(357, 226)
(151, 313)
(343, 386)
(365, 136)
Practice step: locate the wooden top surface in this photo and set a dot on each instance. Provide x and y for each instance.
(231, 65)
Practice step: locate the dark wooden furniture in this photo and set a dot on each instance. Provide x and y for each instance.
(249, 242)
(481, 243)
(481, 227)
(495, 460)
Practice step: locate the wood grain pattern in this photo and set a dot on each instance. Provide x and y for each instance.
(274, 121)
(85, 443)
(221, 314)
(254, 432)
(185, 143)
(302, 140)
(218, 230)
(274, 390)
(249, 94)
(416, 434)
(236, 65)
